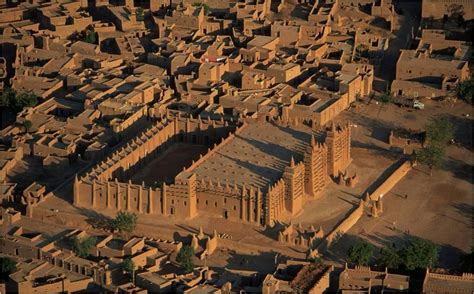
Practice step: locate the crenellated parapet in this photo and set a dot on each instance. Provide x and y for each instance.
(260, 183)
(125, 161)
(297, 236)
(116, 195)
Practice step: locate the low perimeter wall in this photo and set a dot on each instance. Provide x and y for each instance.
(345, 225)
(357, 213)
(392, 180)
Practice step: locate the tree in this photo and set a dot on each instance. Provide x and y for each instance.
(419, 253)
(360, 253)
(27, 125)
(389, 257)
(185, 258)
(466, 262)
(90, 37)
(439, 131)
(17, 100)
(26, 99)
(8, 97)
(82, 246)
(466, 90)
(386, 98)
(431, 155)
(140, 14)
(128, 267)
(456, 13)
(125, 222)
(203, 5)
(7, 266)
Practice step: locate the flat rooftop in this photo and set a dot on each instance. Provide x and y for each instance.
(257, 156)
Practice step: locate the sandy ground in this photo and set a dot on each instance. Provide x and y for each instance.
(439, 207)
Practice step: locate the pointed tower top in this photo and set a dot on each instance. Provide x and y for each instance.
(201, 233)
(313, 141)
(292, 162)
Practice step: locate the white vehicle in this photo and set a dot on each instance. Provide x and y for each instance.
(409, 102)
(418, 105)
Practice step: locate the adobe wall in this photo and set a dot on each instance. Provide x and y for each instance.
(323, 283)
(355, 215)
(462, 284)
(118, 165)
(13, 248)
(407, 144)
(392, 180)
(187, 197)
(344, 226)
(116, 195)
(438, 8)
(422, 67)
(29, 286)
(96, 190)
(319, 117)
(230, 202)
(127, 160)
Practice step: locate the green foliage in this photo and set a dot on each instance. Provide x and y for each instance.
(17, 100)
(185, 258)
(140, 14)
(204, 5)
(431, 155)
(439, 131)
(82, 246)
(7, 266)
(389, 257)
(455, 11)
(128, 267)
(90, 37)
(466, 262)
(386, 98)
(315, 260)
(466, 90)
(125, 222)
(360, 253)
(27, 125)
(419, 253)
(8, 97)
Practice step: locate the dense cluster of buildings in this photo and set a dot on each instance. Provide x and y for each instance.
(49, 264)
